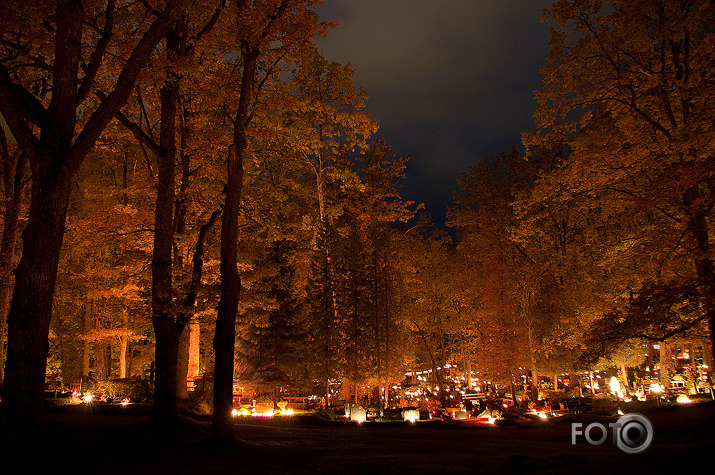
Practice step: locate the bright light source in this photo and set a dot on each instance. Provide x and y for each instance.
(683, 399)
(614, 385)
(268, 413)
(411, 415)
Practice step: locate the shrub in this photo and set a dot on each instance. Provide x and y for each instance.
(116, 390)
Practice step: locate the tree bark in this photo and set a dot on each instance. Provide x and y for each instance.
(225, 337)
(194, 363)
(626, 384)
(167, 329)
(14, 165)
(31, 308)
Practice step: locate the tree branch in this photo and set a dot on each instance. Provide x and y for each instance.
(125, 83)
(95, 61)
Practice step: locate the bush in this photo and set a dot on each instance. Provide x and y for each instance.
(117, 390)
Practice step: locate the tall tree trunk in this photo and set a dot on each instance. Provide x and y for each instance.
(14, 165)
(534, 383)
(190, 341)
(31, 308)
(624, 375)
(98, 350)
(167, 329)
(86, 345)
(194, 365)
(225, 336)
(666, 364)
(124, 346)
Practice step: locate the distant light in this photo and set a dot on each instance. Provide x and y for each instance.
(683, 399)
(268, 413)
(411, 415)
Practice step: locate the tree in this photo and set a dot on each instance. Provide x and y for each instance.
(266, 33)
(626, 91)
(170, 314)
(75, 39)
(330, 122)
(495, 266)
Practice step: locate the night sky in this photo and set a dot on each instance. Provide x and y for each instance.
(449, 80)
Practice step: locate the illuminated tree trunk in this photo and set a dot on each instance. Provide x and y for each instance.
(124, 347)
(624, 375)
(194, 364)
(666, 364)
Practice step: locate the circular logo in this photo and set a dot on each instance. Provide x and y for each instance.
(634, 433)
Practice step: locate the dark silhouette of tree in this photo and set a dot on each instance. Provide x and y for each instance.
(14, 181)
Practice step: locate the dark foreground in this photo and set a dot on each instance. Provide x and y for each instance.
(119, 440)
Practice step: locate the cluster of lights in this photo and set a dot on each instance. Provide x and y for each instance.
(282, 411)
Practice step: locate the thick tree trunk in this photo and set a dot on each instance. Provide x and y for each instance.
(225, 337)
(167, 329)
(14, 171)
(31, 309)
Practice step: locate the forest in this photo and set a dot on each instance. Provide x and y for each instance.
(190, 188)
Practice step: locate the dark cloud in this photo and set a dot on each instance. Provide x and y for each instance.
(449, 80)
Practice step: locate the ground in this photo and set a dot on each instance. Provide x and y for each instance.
(114, 440)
